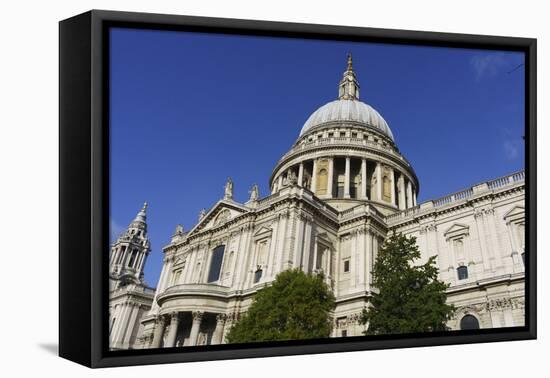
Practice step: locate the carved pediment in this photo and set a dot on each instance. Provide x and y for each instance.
(263, 232)
(223, 212)
(324, 238)
(514, 214)
(179, 261)
(457, 230)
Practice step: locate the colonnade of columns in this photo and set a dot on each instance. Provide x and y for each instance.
(373, 176)
(167, 327)
(122, 256)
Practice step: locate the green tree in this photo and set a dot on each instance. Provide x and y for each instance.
(410, 297)
(295, 306)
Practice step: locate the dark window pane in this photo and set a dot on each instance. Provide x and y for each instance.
(346, 266)
(257, 275)
(216, 263)
(469, 322)
(344, 333)
(462, 272)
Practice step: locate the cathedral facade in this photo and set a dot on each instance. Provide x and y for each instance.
(335, 195)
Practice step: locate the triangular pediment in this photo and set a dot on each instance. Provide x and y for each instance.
(516, 211)
(457, 229)
(221, 213)
(179, 262)
(263, 231)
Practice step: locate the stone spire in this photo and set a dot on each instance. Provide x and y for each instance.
(142, 215)
(129, 252)
(348, 88)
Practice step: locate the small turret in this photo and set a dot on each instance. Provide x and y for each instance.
(348, 88)
(129, 252)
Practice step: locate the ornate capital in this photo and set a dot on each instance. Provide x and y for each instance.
(221, 318)
(161, 320)
(432, 227)
(499, 304)
(197, 316)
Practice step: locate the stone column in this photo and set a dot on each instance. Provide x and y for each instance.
(369, 261)
(172, 331)
(119, 328)
(195, 328)
(280, 182)
(131, 322)
(363, 179)
(306, 252)
(314, 176)
(378, 181)
(330, 176)
(409, 195)
(401, 185)
(159, 332)
(392, 188)
(218, 332)
(301, 174)
(414, 196)
(347, 178)
(227, 326)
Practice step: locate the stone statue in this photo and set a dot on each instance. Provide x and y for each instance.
(254, 193)
(228, 189)
(202, 214)
(179, 229)
(292, 178)
(307, 180)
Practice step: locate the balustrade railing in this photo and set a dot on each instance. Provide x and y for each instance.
(338, 141)
(511, 179)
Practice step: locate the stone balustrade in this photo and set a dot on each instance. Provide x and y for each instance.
(475, 190)
(345, 141)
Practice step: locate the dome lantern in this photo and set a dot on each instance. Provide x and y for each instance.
(348, 88)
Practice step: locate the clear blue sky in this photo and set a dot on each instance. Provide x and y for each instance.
(188, 110)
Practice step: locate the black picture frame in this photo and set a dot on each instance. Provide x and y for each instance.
(84, 186)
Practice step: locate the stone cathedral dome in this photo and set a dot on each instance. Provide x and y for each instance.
(347, 108)
(353, 111)
(346, 155)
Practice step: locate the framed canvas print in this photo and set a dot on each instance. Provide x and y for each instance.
(234, 188)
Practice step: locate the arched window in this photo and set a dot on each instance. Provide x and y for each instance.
(258, 275)
(469, 322)
(462, 272)
(216, 264)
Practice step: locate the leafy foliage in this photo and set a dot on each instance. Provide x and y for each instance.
(410, 298)
(295, 306)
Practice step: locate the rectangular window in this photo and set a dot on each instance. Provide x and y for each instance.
(216, 264)
(330, 135)
(354, 135)
(257, 275)
(462, 272)
(344, 333)
(346, 266)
